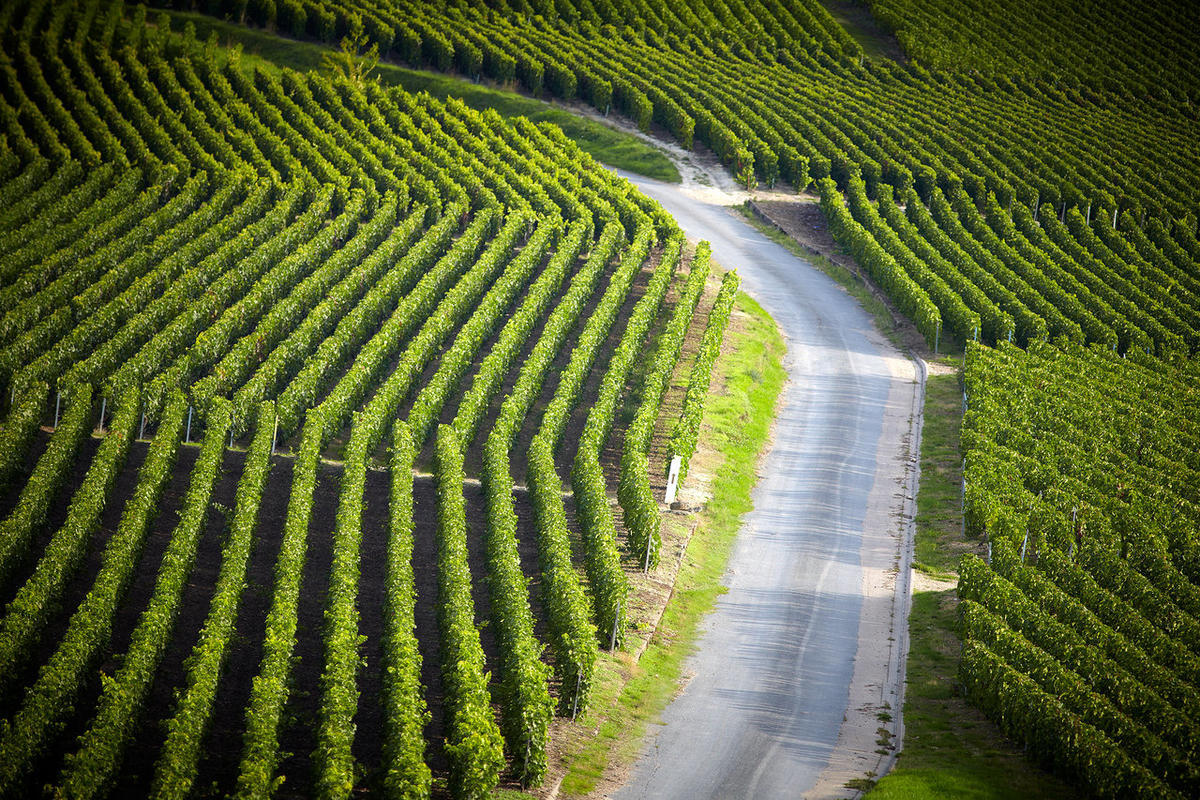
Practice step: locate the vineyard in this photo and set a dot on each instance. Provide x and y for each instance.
(1021, 208)
(1081, 627)
(1140, 46)
(334, 410)
(255, 327)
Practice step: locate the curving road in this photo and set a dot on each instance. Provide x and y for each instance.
(801, 655)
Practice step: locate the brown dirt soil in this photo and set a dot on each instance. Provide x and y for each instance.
(372, 586)
(428, 641)
(301, 715)
(138, 769)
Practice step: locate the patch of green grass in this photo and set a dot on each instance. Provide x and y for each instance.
(860, 784)
(939, 543)
(860, 23)
(738, 422)
(951, 751)
(605, 144)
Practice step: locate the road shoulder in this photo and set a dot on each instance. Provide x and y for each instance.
(873, 730)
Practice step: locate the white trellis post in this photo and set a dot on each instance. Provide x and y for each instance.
(673, 480)
(962, 500)
(578, 681)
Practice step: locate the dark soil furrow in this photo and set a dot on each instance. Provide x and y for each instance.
(223, 743)
(138, 767)
(429, 642)
(373, 572)
(301, 715)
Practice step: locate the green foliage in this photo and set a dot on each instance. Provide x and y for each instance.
(176, 770)
(1055, 734)
(30, 609)
(524, 695)
(42, 713)
(1077, 472)
(339, 690)
(572, 634)
(354, 60)
(405, 773)
(90, 771)
(300, 248)
(606, 579)
(474, 745)
(486, 316)
(1115, 42)
(687, 428)
(591, 338)
(344, 317)
(536, 365)
(637, 501)
(913, 300)
(260, 751)
(33, 504)
(337, 278)
(20, 424)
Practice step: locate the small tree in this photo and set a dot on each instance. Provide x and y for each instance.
(351, 60)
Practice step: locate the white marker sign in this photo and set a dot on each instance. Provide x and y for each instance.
(673, 480)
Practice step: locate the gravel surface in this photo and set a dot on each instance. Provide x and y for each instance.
(805, 652)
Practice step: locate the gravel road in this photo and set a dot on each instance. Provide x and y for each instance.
(804, 652)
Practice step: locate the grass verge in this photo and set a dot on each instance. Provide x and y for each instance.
(856, 17)
(951, 750)
(737, 420)
(891, 323)
(939, 541)
(840, 275)
(605, 144)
